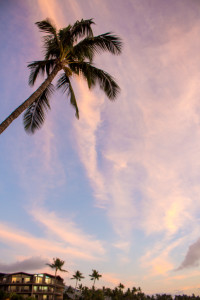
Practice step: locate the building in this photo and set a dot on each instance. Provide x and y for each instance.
(40, 286)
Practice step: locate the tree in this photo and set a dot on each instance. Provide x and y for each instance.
(71, 50)
(95, 276)
(121, 287)
(78, 276)
(57, 265)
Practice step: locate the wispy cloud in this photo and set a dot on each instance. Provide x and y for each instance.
(67, 231)
(86, 139)
(23, 241)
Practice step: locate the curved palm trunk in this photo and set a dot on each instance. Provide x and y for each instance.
(75, 289)
(30, 100)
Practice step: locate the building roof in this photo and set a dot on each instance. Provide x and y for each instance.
(29, 274)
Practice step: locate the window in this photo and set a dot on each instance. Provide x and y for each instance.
(44, 297)
(27, 279)
(47, 280)
(38, 278)
(35, 288)
(16, 278)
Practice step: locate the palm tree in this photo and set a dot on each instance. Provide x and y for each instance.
(70, 50)
(121, 286)
(78, 276)
(57, 265)
(95, 276)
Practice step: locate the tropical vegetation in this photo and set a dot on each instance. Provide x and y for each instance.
(71, 51)
(128, 294)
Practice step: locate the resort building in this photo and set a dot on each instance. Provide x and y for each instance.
(40, 286)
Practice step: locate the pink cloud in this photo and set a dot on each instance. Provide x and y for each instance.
(67, 231)
(39, 246)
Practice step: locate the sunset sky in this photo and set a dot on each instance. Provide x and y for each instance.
(118, 190)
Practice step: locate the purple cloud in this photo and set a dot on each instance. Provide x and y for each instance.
(192, 257)
(29, 264)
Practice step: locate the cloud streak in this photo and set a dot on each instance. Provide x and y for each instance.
(68, 232)
(23, 241)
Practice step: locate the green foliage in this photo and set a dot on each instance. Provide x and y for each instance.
(3, 295)
(71, 49)
(57, 265)
(35, 115)
(78, 276)
(106, 294)
(16, 297)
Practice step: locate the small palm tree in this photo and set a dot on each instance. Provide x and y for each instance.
(70, 50)
(121, 286)
(95, 276)
(57, 265)
(77, 276)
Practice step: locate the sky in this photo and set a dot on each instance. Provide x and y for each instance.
(117, 190)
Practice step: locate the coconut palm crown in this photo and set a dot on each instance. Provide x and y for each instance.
(69, 51)
(95, 276)
(77, 276)
(57, 265)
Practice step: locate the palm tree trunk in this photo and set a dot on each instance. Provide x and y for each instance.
(30, 100)
(75, 289)
(54, 290)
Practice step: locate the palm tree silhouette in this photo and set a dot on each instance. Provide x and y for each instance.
(78, 276)
(95, 276)
(57, 265)
(71, 50)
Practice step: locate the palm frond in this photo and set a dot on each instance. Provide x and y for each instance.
(104, 42)
(52, 47)
(47, 26)
(69, 35)
(108, 42)
(50, 265)
(51, 41)
(82, 28)
(83, 50)
(35, 114)
(65, 36)
(94, 75)
(39, 68)
(65, 84)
